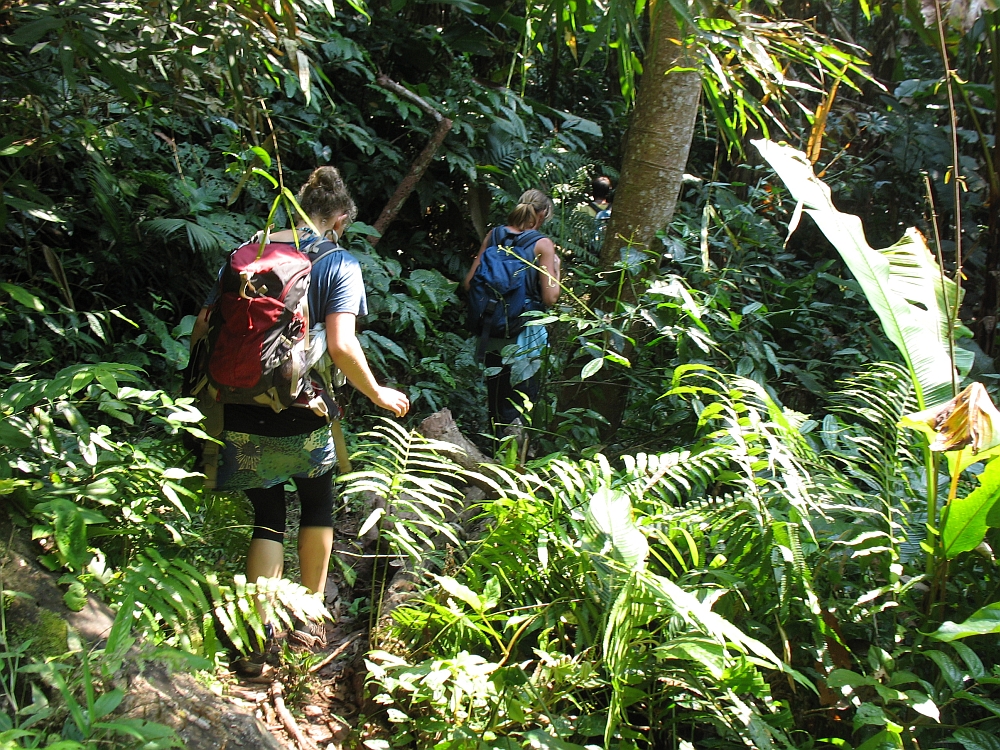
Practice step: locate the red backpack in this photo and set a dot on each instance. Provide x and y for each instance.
(258, 338)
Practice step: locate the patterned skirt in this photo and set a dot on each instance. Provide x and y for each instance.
(255, 461)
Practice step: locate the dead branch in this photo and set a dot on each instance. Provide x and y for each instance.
(419, 166)
(387, 83)
(287, 720)
(336, 652)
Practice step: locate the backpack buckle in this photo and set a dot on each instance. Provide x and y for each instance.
(246, 283)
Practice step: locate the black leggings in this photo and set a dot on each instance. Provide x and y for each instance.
(315, 497)
(502, 395)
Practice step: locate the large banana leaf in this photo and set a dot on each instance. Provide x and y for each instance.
(903, 283)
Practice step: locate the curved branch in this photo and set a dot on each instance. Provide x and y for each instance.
(419, 166)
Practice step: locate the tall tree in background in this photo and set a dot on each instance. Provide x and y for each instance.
(742, 63)
(659, 138)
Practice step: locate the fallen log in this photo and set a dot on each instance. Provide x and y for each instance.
(441, 426)
(202, 719)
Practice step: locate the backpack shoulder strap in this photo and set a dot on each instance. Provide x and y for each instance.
(528, 237)
(525, 242)
(321, 248)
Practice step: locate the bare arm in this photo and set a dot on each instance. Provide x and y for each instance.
(200, 328)
(349, 357)
(475, 263)
(551, 266)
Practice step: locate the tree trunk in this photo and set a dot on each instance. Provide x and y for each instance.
(886, 29)
(656, 151)
(657, 143)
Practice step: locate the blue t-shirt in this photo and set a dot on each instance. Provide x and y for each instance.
(335, 284)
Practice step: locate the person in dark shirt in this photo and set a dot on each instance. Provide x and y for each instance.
(516, 375)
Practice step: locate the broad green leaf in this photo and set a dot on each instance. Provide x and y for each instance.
(24, 297)
(887, 739)
(107, 703)
(75, 597)
(868, 714)
(460, 591)
(949, 670)
(902, 283)
(965, 517)
(261, 154)
(611, 512)
(359, 227)
(972, 661)
(265, 175)
(990, 705)
(975, 739)
(923, 704)
(30, 33)
(591, 368)
(841, 677)
(982, 622)
(14, 438)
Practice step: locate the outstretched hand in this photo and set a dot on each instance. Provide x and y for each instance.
(391, 399)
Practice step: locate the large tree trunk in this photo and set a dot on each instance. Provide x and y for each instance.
(656, 151)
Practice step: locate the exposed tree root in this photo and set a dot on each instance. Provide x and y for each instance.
(287, 720)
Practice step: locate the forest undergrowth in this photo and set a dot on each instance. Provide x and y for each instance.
(788, 542)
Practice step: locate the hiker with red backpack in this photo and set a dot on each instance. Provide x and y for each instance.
(259, 344)
(516, 271)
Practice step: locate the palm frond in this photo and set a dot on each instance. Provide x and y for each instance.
(200, 238)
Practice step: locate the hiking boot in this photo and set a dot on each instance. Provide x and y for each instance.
(307, 635)
(252, 664)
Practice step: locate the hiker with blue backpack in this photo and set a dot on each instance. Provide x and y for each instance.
(276, 320)
(516, 271)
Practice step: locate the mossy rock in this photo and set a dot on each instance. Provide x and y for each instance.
(44, 631)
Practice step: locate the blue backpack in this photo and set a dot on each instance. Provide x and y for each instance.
(504, 286)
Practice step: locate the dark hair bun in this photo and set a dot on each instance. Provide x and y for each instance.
(326, 178)
(325, 195)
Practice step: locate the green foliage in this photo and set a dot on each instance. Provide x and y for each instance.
(83, 680)
(744, 562)
(594, 586)
(907, 289)
(177, 604)
(413, 502)
(91, 460)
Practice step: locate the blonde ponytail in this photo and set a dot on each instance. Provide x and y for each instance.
(530, 206)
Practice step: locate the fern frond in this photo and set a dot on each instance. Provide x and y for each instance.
(862, 435)
(177, 604)
(408, 473)
(674, 477)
